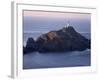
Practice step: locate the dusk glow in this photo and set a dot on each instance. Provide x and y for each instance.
(57, 14)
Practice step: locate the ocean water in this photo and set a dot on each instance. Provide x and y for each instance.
(52, 60)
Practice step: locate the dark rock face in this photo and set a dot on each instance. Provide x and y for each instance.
(66, 39)
(30, 46)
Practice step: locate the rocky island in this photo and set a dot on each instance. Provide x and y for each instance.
(65, 39)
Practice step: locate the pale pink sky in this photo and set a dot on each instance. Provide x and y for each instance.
(56, 14)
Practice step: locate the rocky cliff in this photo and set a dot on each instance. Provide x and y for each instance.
(65, 39)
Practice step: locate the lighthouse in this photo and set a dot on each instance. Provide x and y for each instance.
(67, 25)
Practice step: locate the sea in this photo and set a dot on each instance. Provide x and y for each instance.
(36, 60)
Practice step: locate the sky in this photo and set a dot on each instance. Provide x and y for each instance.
(45, 21)
(56, 14)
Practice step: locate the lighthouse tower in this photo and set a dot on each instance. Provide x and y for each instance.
(67, 25)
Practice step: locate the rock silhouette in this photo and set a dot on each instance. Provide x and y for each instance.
(30, 46)
(65, 39)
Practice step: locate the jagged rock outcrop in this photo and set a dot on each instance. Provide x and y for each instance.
(30, 46)
(66, 39)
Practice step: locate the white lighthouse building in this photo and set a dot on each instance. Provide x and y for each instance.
(67, 25)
